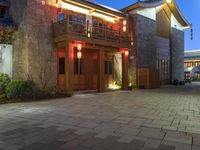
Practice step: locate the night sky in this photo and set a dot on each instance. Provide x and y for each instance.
(189, 8)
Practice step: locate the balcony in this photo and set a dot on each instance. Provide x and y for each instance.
(74, 30)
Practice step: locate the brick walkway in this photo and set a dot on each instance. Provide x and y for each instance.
(161, 119)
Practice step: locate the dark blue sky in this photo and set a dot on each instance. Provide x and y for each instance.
(189, 8)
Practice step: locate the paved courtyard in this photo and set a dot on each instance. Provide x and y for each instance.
(161, 119)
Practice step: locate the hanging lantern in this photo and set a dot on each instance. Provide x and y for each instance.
(191, 32)
(79, 47)
(124, 23)
(124, 28)
(126, 53)
(79, 55)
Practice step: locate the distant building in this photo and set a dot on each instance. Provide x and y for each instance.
(192, 64)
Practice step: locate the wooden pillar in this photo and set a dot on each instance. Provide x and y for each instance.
(124, 72)
(101, 71)
(69, 75)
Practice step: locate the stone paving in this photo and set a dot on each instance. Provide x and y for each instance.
(161, 119)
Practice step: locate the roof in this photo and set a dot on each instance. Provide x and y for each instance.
(192, 54)
(97, 6)
(155, 3)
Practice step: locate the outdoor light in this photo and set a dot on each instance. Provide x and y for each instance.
(169, 1)
(79, 55)
(124, 28)
(89, 35)
(43, 2)
(126, 53)
(124, 23)
(79, 47)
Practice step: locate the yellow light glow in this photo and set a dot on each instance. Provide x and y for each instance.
(124, 22)
(114, 86)
(79, 55)
(124, 28)
(105, 17)
(169, 1)
(74, 8)
(79, 47)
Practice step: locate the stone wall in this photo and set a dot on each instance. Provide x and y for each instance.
(20, 47)
(34, 53)
(146, 42)
(177, 54)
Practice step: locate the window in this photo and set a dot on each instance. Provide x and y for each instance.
(108, 68)
(62, 65)
(61, 17)
(76, 66)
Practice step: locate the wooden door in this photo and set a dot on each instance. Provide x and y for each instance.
(91, 70)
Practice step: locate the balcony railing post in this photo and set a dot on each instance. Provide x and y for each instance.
(105, 32)
(67, 29)
(87, 28)
(120, 40)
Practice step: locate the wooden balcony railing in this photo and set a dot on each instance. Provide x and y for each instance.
(67, 27)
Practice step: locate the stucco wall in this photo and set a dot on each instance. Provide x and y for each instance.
(6, 59)
(34, 53)
(177, 54)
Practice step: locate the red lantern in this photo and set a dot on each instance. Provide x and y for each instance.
(126, 53)
(79, 47)
(79, 55)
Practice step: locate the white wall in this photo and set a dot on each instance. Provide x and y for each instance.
(147, 12)
(6, 55)
(175, 24)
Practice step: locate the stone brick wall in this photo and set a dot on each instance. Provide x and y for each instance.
(177, 54)
(146, 42)
(20, 47)
(34, 53)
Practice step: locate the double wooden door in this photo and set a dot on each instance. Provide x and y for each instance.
(86, 77)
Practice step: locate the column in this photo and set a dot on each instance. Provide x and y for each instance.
(69, 74)
(101, 71)
(124, 72)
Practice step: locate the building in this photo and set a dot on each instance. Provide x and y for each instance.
(82, 45)
(192, 64)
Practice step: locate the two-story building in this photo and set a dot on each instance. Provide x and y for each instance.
(82, 45)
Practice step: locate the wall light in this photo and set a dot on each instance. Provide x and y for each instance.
(124, 23)
(79, 55)
(124, 28)
(169, 1)
(126, 53)
(79, 47)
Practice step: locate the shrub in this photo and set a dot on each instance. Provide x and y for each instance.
(4, 81)
(19, 89)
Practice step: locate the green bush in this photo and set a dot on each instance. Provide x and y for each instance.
(4, 81)
(19, 89)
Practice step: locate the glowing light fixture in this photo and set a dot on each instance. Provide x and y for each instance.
(124, 28)
(124, 23)
(79, 47)
(79, 55)
(74, 8)
(169, 1)
(126, 53)
(105, 17)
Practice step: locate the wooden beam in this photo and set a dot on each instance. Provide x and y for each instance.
(101, 71)
(69, 75)
(124, 72)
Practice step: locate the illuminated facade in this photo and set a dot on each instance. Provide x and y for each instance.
(192, 64)
(82, 45)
